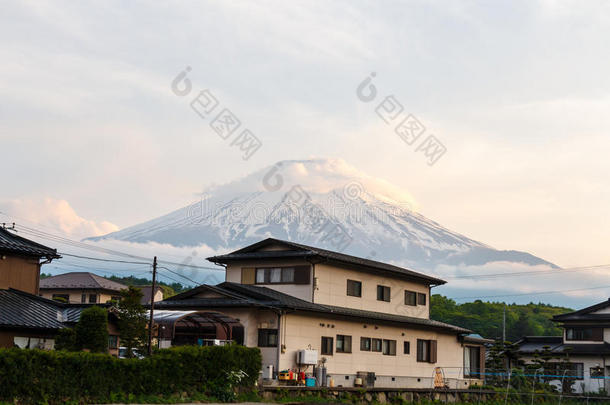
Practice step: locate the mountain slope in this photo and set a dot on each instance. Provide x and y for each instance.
(324, 203)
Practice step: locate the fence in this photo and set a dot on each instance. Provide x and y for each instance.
(523, 385)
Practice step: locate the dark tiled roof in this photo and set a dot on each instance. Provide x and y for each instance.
(80, 280)
(304, 251)
(586, 314)
(22, 310)
(9, 242)
(242, 295)
(532, 344)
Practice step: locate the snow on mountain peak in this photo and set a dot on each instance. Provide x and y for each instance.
(320, 202)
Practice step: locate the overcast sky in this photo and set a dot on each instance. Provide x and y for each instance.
(518, 92)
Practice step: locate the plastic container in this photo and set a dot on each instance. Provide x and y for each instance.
(310, 382)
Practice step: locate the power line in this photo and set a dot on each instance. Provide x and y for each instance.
(102, 260)
(70, 242)
(529, 273)
(180, 275)
(532, 293)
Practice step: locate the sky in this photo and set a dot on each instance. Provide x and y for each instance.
(94, 139)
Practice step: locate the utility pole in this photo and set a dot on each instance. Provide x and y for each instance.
(152, 306)
(503, 324)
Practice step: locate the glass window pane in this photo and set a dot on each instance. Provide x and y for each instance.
(275, 275)
(288, 275)
(260, 276)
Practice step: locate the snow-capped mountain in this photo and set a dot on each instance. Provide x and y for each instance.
(324, 203)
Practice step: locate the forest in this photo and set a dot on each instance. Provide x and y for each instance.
(485, 318)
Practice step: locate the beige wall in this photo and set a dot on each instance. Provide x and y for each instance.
(302, 331)
(19, 273)
(331, 289)
(75, 295)
(251, 321)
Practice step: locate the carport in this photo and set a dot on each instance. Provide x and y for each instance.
(177, 328)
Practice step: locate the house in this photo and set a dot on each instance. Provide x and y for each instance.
(80, 287)
(359, 317)
(20, 261)
(586, 342)
(147, 292)
(25, 320)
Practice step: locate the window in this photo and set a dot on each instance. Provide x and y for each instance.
(383, 293)
(472, 362)
(590, 334)
(61, 297)
(92, 298)
(344, 344)
(365, 344)
(113, 341)
(389, 347)
(282, 275)
(354, 288)
(596, 372)
(327, 345)
(267, 338)
(426, 351)
(571, 370)
(406, 348)
(421, 299)
(376, 345)
(83, 298)
(410, 298)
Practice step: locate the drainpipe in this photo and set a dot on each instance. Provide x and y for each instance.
(279, 340)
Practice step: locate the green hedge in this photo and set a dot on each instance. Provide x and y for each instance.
(36, 376)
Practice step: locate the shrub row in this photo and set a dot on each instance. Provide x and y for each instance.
(36, 376)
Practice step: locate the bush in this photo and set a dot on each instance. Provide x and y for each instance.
(34, 376)
(92, 330)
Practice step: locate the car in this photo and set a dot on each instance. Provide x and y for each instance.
(123, 353)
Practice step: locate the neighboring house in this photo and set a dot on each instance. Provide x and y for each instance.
(80, 287)
(24, 318)
(20, 261)
(146, 292)
(361, 316)
(586, 340)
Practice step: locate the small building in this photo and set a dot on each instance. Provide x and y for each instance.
(360, 317)
(585, 341)
(147, 292)
(81, 288)
(20, 261)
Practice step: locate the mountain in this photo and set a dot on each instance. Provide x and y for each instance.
(324, 203)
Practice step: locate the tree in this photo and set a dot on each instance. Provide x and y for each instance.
(131, 320)
(91, 331)
(66, 340)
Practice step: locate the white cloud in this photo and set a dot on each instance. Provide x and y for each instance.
(55, 214)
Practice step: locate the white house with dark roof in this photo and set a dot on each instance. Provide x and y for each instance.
(585, 339)
(361, 317)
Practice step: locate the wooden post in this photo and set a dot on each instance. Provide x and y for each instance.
(152, 306)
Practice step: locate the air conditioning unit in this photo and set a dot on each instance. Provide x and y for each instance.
(307, 357)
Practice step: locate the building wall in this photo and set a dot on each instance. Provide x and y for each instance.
(301, 332)
(331, 289)
(252, 320)
(28, 339)
(75, 295)
(587, 384)
(20, 273)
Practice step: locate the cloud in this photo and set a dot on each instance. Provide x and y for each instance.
(56, 214)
